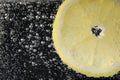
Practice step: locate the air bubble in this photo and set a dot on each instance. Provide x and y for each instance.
(38, 12)
(34, 50)
(37, 17)
(49, 46)
(34, 64)
(42, 42)
(48, 38)
(22, 40)
(27, 46)
(31, 26)
(41, 25)
(19, 50)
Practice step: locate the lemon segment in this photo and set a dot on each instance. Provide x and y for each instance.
(86, 36)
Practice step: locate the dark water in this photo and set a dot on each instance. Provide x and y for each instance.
(26, 47)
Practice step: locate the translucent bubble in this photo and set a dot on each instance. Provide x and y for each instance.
(26, 46)
(22, 40)
(34, 50)
(42, 42)
(48, 38)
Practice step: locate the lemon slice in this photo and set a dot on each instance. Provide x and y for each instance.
(86, 35)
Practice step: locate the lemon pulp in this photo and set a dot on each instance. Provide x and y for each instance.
(80, 48)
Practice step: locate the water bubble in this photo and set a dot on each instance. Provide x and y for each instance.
(42, 42)
(34, 50)
(22, 40)
(48, 38)
(26, 46)
(38, 12)
(31, 26)
(37, 17)
(34, 64)
(27, 29)
(29, 36)
(41, 25)
(19, 50)
(49, 46)
(41, 53)
(37, 34)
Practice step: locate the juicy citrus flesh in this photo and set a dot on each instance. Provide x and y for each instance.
(75, 43)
